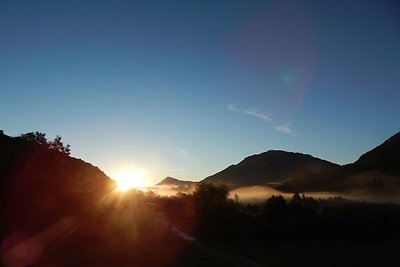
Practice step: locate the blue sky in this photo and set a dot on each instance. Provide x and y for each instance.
(187, 89)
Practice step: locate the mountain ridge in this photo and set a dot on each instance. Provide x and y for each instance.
(377, 171)
(271, 167)
(384, 157)
(171, 181)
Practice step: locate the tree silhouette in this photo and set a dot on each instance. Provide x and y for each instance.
(275, 211)
(58, 145)
(216, 214)
(40, 138)
(35, 137)
(209, 195)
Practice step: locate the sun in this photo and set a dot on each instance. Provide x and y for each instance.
(130, 178)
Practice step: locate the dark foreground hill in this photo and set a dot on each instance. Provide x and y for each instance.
(271, 168)
(60, 211)
(39, 185)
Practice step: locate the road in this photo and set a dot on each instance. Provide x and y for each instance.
(214, 251)
(113, 237)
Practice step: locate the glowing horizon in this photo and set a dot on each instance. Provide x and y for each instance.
(130, 178)
(188, 96)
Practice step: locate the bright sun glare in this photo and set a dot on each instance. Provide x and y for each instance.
(128, 179)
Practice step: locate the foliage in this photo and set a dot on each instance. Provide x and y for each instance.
(209, 198)
(40, 138)
(275, 210)
(216, 216)
(35, 137)
(58, 145)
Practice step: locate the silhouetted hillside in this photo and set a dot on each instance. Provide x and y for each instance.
(271, 168)
(170, 186)
(39, 186)
(170, 181)
(376, 172)
(384, 158)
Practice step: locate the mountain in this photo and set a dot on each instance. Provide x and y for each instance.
(178, 184)
(384, 158)
(375, 172)
(39, 185)
(271, 168)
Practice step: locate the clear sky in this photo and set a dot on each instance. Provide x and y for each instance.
(187, 88)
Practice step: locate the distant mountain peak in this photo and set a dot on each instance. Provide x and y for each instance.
(273, 166)
(170, 181)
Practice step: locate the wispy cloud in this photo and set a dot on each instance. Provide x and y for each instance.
(251, 112)
(286, 129)
(283, 128)
(184, 153)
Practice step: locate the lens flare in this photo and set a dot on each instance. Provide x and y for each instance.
(128, 179)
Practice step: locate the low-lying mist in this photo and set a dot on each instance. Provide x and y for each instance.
(254, 194)
(168, 190)
(257, 194)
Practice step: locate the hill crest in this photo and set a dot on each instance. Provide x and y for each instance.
(170, 181)
(271, 167)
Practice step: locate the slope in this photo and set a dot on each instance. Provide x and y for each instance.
(271, 168)
(376, 172)
(39, 186)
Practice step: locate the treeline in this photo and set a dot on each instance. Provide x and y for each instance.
(40, 138)
(209, 213)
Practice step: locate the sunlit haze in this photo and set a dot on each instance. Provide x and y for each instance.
(187, 88)
(130, 178)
